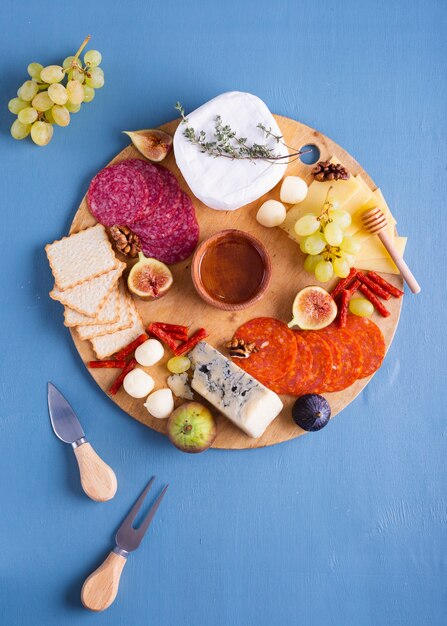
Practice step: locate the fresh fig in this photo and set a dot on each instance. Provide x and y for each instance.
(152, 143)
(149, 278)
(311, 412)
(313, 308)
(191, 427)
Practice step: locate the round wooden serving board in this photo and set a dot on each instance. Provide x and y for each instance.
(181, 305)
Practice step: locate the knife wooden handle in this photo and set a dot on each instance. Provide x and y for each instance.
(98, 480)
(100, 588)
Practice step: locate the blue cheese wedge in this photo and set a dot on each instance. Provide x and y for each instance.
(238, 396)
(179, 385)
(222, 183)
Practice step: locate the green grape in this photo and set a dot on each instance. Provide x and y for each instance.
(361, 307)
(95, 78)
(340, 218)
(60, 115)
(52, 74)
(311, 262)
(42, 102)
(16, 105)
(333, 234)
(75, 92)
(41, 133)
(34, 70)
(28, 90)
(341, 267)
(42, 86)
(68, 62)
(73, 108)
(76, 74)
(19, 130)
(313, 244)
(349, 258)
(89, 93)
(28, 115)
(178, 364)
(92, 58)
(58, 93)
(307, 225)
(49, 117)
(324, 271)
(350, 245)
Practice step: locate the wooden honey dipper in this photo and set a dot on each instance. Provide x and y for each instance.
(375, 222)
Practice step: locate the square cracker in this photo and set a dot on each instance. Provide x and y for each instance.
(80, 257)
(88, 297)
(107, 314)
(124, 320)
(106, 345)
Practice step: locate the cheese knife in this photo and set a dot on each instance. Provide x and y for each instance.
(98, 480)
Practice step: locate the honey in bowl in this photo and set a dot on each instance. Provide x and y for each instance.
(231, 270)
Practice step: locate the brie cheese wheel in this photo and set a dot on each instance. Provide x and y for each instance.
(222, 183)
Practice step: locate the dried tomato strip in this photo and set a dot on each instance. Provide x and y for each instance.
(374, 300)
(113, 363)
(377, 289)
(131, 347)
(193, 341)
(394, 291)
(343, 308)
(163, 336)
(344, 283)
(119, 379)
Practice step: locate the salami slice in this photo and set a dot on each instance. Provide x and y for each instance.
(322, 361)
(347, 366)
(118, 195)
(154, 181)
(371, 341)
(277, 349)
(296, 379)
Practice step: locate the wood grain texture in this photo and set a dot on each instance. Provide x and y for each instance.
(97, 478)
(100, 588)
(182, 305)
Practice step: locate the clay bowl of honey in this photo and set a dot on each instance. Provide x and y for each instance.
(231, 270)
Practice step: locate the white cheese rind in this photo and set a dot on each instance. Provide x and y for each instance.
(222, 183)
(236, 394)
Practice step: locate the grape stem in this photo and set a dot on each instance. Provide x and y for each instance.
(84, 43)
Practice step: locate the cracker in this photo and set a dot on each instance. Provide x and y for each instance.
(80, 257)
(124, 321)
(88, 297)
(107, 314)
(106, 345)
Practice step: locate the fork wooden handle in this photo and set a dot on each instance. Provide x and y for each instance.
(398, 260)
(100, 588)
(98, 480)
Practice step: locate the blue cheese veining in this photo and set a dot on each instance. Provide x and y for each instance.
(236, 394)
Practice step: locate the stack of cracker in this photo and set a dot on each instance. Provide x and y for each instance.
(88, 283)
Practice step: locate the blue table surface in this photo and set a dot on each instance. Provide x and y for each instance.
(343, 527)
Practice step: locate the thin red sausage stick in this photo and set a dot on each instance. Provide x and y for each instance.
(394, 291)
(163, 336)
(119, 379)
(193, 341)
(377, 289)
(344, 283)
(374, 300)
(133, 345)
(113, 364)
(172, 329)
(353, 288)
(343, 310)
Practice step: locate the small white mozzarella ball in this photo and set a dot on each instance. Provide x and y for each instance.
(271, 213)
(160, 404)
(137, 383)
(293, 190)
(149, 353)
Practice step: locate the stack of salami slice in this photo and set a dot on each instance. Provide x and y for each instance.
(148, 199)
(299, 362)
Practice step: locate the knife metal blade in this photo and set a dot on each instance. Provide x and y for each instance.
(65, 424)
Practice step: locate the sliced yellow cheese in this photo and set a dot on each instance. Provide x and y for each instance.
(377, 265)
(375, 199)
(373, 248)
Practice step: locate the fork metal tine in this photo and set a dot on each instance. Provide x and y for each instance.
(130, 517)
(150, 515)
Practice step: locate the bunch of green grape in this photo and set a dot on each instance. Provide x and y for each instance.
(329, 251)
(45, 100)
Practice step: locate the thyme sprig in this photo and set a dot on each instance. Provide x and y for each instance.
(227, 144)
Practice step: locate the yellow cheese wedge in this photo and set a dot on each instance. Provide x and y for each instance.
(373, 248)
(377, 265)
(375, 199)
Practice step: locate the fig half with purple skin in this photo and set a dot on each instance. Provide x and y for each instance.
(311, 412)
(313, 308)
(152, 143)
(149, 278)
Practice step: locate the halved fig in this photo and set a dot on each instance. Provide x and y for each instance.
(152, 143)
(313, 308)
(149, 278)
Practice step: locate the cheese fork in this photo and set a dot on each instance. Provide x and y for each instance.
(101, 587)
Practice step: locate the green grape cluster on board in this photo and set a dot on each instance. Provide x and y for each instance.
(330, 252)
(45, 100)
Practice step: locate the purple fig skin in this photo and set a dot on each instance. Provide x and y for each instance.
(153, 144)
(311, 412)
